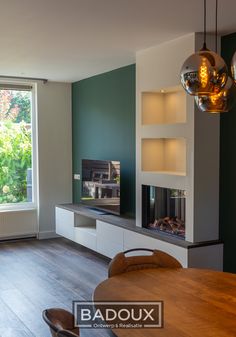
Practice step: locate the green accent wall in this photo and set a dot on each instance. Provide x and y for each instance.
(228, 169)
(103, 117)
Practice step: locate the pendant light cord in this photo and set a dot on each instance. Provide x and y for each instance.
(204, 43)
(216, 26)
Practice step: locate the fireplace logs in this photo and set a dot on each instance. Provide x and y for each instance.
(172, 225)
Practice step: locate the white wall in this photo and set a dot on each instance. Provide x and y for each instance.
(159, 68)
(54, 152)
(18, 223)
(54, 140)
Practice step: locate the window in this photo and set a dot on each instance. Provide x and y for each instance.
(16, 146)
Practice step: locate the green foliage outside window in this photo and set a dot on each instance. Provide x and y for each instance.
(15, 145)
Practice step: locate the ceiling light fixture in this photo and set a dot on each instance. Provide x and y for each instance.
(225, 99)
(204, 72)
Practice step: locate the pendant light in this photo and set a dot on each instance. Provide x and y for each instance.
(204, 72)
(225, 99)
(233, 66)
(217, 103)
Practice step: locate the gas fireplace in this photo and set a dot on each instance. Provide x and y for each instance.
(163, 210)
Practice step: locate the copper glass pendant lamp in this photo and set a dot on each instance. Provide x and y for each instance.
(225, 99)
(204, 72)
(233, 66)
(221, 102)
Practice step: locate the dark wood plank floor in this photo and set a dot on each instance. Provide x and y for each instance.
(35, 275)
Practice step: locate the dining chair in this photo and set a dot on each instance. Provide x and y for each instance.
(60, 319)
(158, 259)
(66, 333)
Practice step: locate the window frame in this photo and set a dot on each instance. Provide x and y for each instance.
(29, 205)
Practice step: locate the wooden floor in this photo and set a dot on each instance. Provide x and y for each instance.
(35, 275)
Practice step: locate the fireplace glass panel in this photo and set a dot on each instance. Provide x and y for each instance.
(164, 210)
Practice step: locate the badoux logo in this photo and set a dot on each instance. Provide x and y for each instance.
(118, 314)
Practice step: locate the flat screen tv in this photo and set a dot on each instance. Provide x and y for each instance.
(101, 185)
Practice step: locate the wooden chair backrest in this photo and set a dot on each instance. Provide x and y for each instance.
(59, 319)
(158, 259)
(66, 333)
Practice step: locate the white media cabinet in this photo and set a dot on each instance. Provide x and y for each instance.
(109, 234)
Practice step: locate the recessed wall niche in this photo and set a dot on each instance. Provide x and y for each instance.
(164, 155)
(164, 107)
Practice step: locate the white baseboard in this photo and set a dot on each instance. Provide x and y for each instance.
(47, 235)
(17, 236)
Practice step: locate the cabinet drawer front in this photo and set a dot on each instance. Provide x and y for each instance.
(135, 240)
(85, 238)
(109, 239)
(110, 232)
(65, 223)
(107, 248)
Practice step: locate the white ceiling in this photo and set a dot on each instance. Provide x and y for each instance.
(68, 40)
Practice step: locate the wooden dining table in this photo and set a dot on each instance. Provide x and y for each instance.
(197, 302)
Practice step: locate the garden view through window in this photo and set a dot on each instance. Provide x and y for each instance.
(15, 145)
